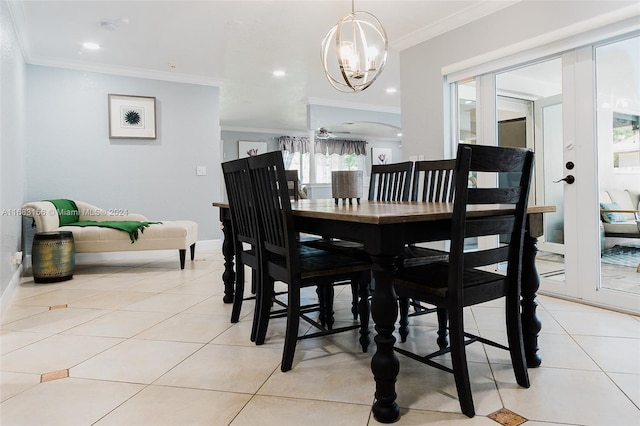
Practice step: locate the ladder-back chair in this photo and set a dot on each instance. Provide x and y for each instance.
(281, 260)
(461, 281)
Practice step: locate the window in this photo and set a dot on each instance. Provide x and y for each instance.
(626, 142)
(338, 155)
(467, 112)
(298, 161)
(325, 164)
(295, 153)
(330, 155)
(618, 111)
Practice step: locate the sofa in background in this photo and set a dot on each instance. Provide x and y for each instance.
(167, 235)
(619, 213)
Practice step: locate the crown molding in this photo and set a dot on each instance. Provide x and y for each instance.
(609, 25)
(469, 14)
(16, 14)
(126, 71)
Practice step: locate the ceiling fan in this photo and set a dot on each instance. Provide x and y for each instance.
(324, 133)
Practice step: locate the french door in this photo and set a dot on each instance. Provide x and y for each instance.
(562, 105)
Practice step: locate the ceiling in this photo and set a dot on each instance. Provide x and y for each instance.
(235, 45)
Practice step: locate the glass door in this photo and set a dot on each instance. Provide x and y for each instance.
(530, 114)
(580, 112)
(550, 168)
(617, 67)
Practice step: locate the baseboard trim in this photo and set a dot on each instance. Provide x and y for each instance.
(7, 296)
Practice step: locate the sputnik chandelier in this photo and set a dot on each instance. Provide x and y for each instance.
(359, 43)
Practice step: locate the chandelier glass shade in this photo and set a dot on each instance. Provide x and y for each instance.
(354, 51)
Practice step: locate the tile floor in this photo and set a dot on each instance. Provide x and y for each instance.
(144, 343)
(622, 278)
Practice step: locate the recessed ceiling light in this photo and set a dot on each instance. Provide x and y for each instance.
(399, 135)
(392, 90)
(89, 45)
(279, 73)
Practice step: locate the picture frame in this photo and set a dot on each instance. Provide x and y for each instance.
(132, 117)
(381, 156)
(249, 149)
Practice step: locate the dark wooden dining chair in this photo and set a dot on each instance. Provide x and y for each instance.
(245, 233)
(390, 182)
(433, 181)
(281, 260)
(459, 281)
(244, 230)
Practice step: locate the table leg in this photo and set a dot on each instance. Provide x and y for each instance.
(229, 274)
(531, 324)
(384, 364)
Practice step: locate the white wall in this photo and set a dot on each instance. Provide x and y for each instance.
(12, 148)
(70, 155)
(423, 109)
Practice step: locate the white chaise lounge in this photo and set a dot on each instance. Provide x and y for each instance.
(168, 235)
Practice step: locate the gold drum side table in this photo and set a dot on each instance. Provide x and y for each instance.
(53, 256)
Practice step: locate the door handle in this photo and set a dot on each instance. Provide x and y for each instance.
(569, 179)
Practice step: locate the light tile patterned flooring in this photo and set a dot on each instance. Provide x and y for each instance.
(144, 343)
(622, 278)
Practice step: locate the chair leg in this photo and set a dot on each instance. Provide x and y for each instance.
(357, 291)
(291, 335)
(192, 247)
(238, 294)
(328, 305)
(321, 305)
(254, 281)
(254, 286)
(354, 299)
(403, 310)
(264, 294)
(364, 311)
(516, 344)
(459, 361)
(442, 340)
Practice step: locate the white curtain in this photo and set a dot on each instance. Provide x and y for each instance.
(338, 155)
(295, 153)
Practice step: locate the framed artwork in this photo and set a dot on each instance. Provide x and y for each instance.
(249, 149)
(132, 117)
(381, 156)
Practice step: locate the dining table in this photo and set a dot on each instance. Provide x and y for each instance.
(384, 228)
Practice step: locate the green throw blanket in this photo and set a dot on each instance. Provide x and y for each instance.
(129, 226)
(69, 216)
(67, 211)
